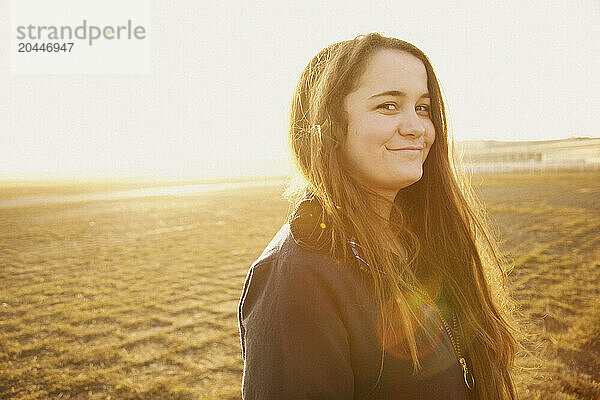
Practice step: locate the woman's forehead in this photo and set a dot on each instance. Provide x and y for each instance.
(393, 69)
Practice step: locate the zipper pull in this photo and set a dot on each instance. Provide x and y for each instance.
(469, 379)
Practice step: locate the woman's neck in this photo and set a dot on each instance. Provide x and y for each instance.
(383, 206)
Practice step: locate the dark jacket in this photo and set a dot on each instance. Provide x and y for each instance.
(308, 327)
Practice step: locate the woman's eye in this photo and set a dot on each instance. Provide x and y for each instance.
(387, 106)
(423, 108)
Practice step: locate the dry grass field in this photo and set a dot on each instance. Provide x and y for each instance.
(136, 298)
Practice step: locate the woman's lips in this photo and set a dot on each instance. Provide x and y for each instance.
(406, 148)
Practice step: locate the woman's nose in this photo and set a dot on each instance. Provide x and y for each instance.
(411, 126)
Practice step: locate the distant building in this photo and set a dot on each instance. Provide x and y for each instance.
(547, 155)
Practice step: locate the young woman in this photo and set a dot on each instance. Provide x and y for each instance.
(382, 284)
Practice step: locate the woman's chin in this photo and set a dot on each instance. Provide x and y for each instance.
(408, 179)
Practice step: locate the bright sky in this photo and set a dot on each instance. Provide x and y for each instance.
(216, 101)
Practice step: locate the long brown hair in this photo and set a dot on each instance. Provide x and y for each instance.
(436, 224)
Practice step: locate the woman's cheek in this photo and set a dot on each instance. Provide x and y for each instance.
(430, 135)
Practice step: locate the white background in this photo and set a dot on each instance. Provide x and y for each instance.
(217, 98)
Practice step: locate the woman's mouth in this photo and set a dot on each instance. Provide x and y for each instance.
(406, 148)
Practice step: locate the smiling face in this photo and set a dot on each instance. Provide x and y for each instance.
(390, 130)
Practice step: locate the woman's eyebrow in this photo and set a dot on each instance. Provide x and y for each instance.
(396, 93)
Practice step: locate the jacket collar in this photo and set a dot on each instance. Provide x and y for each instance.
(311, 228)
(310, 225)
